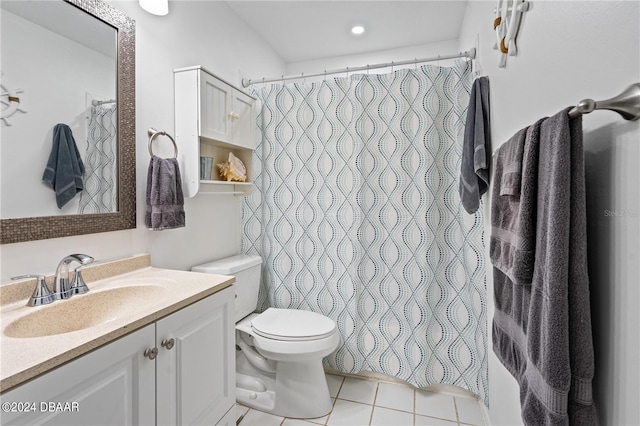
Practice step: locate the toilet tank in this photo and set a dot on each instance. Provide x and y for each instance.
(246, 269)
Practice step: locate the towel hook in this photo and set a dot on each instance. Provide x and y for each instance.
(153, 133)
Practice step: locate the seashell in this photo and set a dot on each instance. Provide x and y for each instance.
(233, 169)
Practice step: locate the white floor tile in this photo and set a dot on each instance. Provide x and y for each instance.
(394, 396)
(469, 411)
(347, 413)
(358, 390)
(432, 421)
(334, 383)
(258, 418)
(386, 417)
(435, 405)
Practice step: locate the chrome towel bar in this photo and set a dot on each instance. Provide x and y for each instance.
(627, 104)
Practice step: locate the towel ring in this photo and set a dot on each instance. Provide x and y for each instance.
(153, 133)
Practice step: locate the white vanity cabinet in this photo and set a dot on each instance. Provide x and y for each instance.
(190, 380)
(113, 385)
(196, 362)
(212, 118)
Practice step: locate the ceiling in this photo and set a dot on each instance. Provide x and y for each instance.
(305, 30)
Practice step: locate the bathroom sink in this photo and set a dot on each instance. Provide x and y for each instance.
(82, 311)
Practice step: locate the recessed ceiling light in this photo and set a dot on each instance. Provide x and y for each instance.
(357, 30)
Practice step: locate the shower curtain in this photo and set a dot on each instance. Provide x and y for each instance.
(100, 193)
(357, 216)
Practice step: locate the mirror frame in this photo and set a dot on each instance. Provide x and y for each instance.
(40, 228)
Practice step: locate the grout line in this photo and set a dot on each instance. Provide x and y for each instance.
(373, 407)
(455, 407)
(375, 396)
(414, 407)
(339, 389)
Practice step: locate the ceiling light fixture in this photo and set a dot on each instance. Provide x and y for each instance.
(357, 30)
(156, 7)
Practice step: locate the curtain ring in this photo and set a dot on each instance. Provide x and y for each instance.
(325, 75)
(347, 72)
(304, 80)
(415, 64)
(391, 66)
(367, 69)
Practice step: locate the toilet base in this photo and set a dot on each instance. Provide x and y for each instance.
(285, 394)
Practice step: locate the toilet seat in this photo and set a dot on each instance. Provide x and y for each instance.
(292, 325)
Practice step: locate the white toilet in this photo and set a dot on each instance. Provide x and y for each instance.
(278, 352)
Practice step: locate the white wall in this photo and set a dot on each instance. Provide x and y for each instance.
(194, 33)
(569, 51)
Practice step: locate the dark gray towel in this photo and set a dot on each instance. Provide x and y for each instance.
(165, 200)
(64, 168)
(474, 169)
(542, 329)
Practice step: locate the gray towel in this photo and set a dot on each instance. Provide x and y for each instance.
(512, 242)
(542, 328)
(474, 169)
(64, 168)
(165, 200)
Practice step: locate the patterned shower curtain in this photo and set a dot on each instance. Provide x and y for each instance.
(356, 215)
(100, 178)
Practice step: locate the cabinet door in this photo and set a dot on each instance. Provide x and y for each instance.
(113, 385)
(243, 118)
(216, 98)
(196, 376)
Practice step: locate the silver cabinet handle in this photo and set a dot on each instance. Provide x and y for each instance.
(168, 343)
(151, 353)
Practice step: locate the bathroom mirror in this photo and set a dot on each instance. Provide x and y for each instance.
(95, 34)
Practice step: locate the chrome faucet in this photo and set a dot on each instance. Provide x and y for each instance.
(41, 294)
(62, 288)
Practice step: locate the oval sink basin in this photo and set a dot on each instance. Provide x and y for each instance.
(82, 311)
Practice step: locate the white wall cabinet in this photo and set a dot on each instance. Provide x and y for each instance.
(212, 118)
(191, 380)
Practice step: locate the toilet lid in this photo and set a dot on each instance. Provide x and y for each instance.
(292, 324)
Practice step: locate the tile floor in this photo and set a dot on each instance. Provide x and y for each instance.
(362, 402)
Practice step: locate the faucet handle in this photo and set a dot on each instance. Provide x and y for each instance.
(78, 286)
(41, 294)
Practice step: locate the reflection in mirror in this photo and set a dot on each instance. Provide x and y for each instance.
(65, 66)
(68, 119)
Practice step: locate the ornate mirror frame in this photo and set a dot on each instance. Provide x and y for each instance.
(40, 228)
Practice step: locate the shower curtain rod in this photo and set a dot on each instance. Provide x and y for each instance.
(627, 104)
(470, 54)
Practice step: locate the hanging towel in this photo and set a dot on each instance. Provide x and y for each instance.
(64, 168)
(165, 200)
(542, 320)
(474, 169)
(512, 242)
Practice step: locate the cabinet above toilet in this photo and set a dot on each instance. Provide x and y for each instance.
(212, 119)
